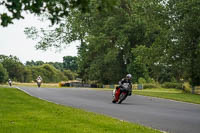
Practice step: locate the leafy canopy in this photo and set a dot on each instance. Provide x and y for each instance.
(55, 9)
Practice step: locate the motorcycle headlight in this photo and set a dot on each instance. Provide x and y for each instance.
(114, 92)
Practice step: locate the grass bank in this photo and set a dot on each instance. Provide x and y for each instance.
(21, 113)
(173, 94)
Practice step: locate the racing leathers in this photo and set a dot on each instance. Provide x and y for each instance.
(127, 84)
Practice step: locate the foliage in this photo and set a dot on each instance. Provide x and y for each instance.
(187, 87)
(172, 85)
(141, 81)
(105, 52)
(48, 73)
(27, 75)
(148, 38)
(3, 74)
(185, 36)
(14, 67)
(150, 86)
(57, 65)
(69, 74)
(70, 63)
(108, 44)
(34, 63)
(56, 9)
(29, 72)
(138, 69)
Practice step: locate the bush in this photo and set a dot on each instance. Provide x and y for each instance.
(172, 85)
(141, 81)
(48, 73)
(173, 80)
(151, 80)
(187, 87)
(145, 86)
(69, 74)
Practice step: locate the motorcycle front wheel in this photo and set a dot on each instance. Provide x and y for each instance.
(39, 84)
(122, 97)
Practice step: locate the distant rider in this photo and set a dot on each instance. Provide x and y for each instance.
(39, 78)
(9, 82)
(39, 81)
(126, 82)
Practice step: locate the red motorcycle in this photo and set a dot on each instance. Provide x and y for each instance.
(120, 94)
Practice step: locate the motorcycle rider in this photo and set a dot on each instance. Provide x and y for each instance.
(124, 88)
(39, 80)
(9, 82)
(126, 81)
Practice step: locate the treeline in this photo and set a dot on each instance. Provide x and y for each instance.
(154, 40)
(11, 67)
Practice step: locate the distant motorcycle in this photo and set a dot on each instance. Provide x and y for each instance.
(39, 82)
(10, 83)
(120, 93)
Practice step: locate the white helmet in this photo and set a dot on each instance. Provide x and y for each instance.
(128, 76)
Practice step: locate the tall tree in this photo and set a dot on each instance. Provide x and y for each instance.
(14, 67)
(70, 63)
(185, 36)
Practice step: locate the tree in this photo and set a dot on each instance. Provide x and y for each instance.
(70, 63)
(14, 67)
(109, 42)
(185, 36)
(57, 65)
(168, 30)
(48, 73)
(150, 56)
(69, 74)
(3, 74)
(27, 75)
(105, 51)
(56, 9)
(138, 67)
(101, 53)
(34, 63)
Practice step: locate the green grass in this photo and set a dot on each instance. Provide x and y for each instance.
(173, 94)
(21, 113)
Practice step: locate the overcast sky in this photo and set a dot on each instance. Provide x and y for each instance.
(13, 41)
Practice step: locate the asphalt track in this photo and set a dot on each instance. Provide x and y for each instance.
(165, 115)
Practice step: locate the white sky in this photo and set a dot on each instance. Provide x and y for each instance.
(13, 41)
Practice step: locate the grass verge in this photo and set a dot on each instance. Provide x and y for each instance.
(21, 113)
(173, 94)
